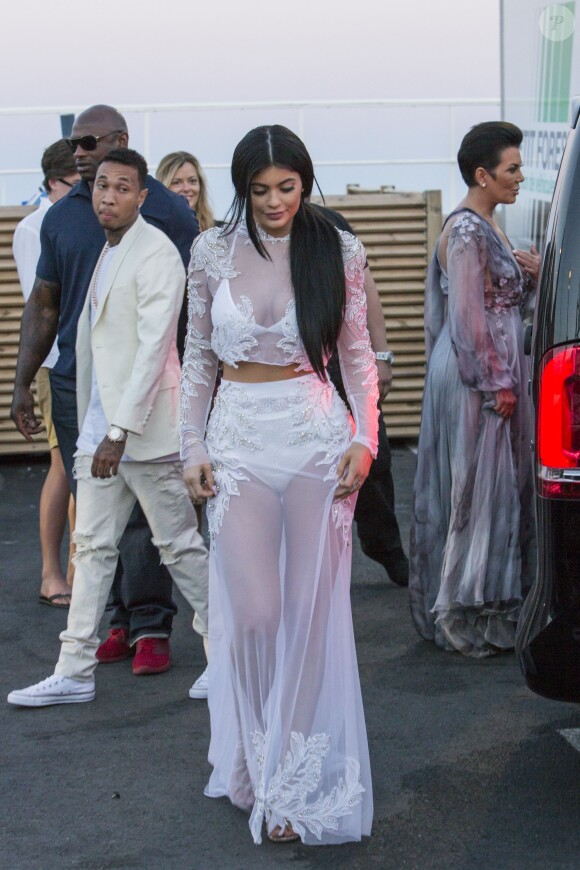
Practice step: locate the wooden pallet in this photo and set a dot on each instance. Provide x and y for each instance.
(399, 231)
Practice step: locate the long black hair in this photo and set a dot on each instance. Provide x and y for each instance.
(316, 263)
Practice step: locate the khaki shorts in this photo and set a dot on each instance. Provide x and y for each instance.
(45, 405)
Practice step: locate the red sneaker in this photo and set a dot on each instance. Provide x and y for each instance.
(115, 648)
(152, 656)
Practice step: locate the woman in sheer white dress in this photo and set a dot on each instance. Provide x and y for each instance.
(270, 295)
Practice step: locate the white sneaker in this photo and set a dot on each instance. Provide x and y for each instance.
(199, 688)
(54, 690)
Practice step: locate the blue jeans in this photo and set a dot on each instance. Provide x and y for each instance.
(141, 597)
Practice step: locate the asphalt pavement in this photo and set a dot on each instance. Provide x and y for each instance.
(471, 770)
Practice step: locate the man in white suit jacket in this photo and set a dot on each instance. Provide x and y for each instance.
(128, 405)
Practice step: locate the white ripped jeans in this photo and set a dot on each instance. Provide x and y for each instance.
(103, 510)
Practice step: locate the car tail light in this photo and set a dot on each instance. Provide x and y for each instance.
(558, 424)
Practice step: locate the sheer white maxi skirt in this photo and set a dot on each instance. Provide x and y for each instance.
(288, 737)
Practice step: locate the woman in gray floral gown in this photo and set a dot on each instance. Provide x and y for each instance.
(473, 536)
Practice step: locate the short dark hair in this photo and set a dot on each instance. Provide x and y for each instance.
(57, 162)
(483, 146)
(128, 157)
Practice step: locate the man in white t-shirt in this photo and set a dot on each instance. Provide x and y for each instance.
(60, 174)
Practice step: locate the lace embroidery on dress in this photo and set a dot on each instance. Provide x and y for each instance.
(365, 362)
(501, 292)
(196, 305)
(316, 420)
(284, 799)
(210, 253)
(466, 225)
(233, 335)
(225, 432)
(355, 310)
(233, 424)
(351, 245)
(266, 237)
(291, 344)
(194, 363)
(504, 293)
(342, 514)
(226, 482)
(193, 369)
(230, 429)
(261, 233)
(231, 341)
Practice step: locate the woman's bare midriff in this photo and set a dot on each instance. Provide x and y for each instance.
(256, 373)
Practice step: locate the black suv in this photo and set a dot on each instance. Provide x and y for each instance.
(548, 639)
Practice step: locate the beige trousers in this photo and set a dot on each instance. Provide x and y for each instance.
(103, 510)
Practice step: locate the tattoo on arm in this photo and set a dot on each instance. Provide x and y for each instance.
(37, 330)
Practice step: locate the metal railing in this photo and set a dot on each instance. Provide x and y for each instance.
(302, 109)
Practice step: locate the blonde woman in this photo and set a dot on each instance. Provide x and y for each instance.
(181, 172)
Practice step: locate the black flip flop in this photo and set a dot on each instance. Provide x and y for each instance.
(50, 600)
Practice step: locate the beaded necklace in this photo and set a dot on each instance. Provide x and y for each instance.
(95, 278)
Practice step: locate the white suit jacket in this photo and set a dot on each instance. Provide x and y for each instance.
(132, 343)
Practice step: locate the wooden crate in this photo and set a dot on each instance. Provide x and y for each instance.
(399, 231)
(11, 307)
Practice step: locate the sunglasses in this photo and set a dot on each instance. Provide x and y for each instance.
(88, 143)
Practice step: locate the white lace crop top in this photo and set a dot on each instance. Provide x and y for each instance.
(242, 309)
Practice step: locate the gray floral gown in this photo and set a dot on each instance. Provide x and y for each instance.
(473, 535)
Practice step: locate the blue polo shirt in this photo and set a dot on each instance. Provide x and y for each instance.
(71, 240)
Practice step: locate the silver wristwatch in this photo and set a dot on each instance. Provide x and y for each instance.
(116, 434)
(386, 356)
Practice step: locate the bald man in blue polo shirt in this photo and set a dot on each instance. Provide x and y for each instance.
(71, 241)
